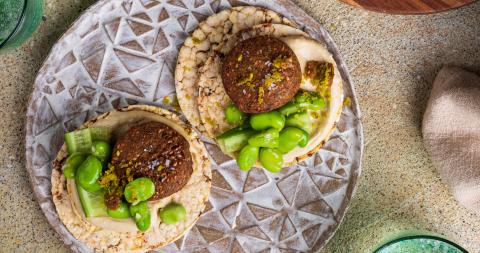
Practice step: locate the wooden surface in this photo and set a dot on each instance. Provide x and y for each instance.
(408, 6)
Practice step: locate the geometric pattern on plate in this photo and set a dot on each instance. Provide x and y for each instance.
(123, 52)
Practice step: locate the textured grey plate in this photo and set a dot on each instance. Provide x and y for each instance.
(124, 52)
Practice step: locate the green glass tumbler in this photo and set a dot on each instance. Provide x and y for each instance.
(420, 244)
(18, 20)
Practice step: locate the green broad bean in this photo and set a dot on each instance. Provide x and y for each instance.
(248, 157)
(289, 108)
(302, 120)
(271, 159)
(317, 104)
(304, 141)
(122, 212)
(309, 100)
(172, 213)
(267, 120)
(290, 137)
(141, 215)
(302, 97)
(71, 165)
(88, 174)
(102, 150)
(140, 189)
(233, 114)
(267, 138)
(234, 139)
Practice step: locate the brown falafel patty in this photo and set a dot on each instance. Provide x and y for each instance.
(261, 74)
(152, 150)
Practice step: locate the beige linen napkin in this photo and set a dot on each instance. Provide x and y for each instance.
(451, 132)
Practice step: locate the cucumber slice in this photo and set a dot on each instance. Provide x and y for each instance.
(235, 139)
(79, 141)
(100, 134)
(93, 203)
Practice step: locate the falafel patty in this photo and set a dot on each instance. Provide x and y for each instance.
(152, 150)
(261, 74)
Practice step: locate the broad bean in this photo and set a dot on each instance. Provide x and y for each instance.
(122, 212)
(140, 189)
(141, 215)
(289, 108)
(172, 213)
(233, 114)
(271, 159)
(88, 173)
(248, 157)
(267, 120)
(101, 150)
(71, 165)
(290, 137)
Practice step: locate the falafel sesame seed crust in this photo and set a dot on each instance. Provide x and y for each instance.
(211, 37)
(193, 196)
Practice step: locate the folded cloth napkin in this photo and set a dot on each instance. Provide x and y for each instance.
(451, 133)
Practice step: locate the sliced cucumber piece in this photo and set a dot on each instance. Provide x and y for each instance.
(79, 141)
(235, 139)
(93, 203)
(101, 133)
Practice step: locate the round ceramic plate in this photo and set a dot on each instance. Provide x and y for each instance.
(123, 52)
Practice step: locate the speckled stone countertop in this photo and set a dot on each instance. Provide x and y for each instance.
(393, 61)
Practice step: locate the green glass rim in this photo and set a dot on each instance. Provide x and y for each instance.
(17, 26)
(420, 237)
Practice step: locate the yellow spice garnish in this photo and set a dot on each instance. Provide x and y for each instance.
(240, 57)
(109, 180)
(160, 167)
(196, 40)
(247, 81)
(316, 114)
(210, 121)
(261, 93)
(279, 61)
(321, 76)
(274, 77)
(166, 100)
(175, 104)
(129, 174)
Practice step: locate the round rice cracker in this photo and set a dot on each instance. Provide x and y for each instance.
(121, 235)
(210, 37)
(213, 98)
